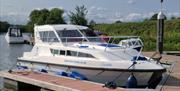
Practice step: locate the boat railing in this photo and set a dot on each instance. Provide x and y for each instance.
(100, 39)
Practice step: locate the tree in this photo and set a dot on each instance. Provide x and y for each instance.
(79, 17)
(55, 17)
(154, 17)
(173, 17)
(145, 20)
(33, 16)
(4, 26)
(44, 16)
(92, 23)
(39, 16)
(118, 21)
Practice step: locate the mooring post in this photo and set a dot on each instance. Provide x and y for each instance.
(160, 31)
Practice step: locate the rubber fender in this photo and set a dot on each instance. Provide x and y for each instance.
(77, 75)
(132, 82)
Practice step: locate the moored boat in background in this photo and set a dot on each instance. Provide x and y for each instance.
(14, 35)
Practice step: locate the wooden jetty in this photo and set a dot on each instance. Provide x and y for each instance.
(36, 81)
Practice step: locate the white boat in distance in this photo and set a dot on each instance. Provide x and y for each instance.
(77, 48)
(134, 43)
(14, 35)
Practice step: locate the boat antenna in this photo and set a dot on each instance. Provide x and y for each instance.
(179, 8)
(161, 4)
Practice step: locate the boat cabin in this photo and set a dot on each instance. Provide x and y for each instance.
(14, 32)
(65, 34)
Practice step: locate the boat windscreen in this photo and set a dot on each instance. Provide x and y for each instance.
(69, 35)
(88, 33)
(91, 35)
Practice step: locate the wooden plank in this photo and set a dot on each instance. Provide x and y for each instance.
(56, 83)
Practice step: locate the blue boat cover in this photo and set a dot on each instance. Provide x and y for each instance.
(109, 45)
(139, 58)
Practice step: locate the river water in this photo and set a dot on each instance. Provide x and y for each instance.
(9, 54)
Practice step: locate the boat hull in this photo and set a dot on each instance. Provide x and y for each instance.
(95, 75)
(13, 40)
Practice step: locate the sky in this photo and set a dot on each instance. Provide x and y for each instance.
(101, 11)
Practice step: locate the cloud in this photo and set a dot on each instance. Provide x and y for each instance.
(136, 17)
(173, 14)
(15, 17)
(101, 9)
(94, 10)
(131, 17)
(131, 2)
(49, 8)
(126, 18)
(99, 14)
(56, 7)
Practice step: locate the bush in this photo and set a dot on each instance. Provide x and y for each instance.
(147, 31)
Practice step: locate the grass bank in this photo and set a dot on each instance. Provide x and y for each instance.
(147, 31)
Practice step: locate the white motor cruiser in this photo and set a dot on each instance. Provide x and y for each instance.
(14, 35)
(77, 49)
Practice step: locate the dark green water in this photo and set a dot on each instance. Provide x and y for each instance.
(9, 54)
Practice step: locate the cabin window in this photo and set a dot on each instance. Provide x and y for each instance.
(52, 51)
(69, 33)
(52, 37)
(43, 36)
(48, 36)
(62, 52)
(88, 33)
(71, 53)
(15, 32)
(80, 54)
(56, 51)
(66, 35)
(91, 35)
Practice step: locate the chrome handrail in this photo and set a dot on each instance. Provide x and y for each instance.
(100, 39)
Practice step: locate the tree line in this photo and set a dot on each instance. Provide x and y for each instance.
(4, 26)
